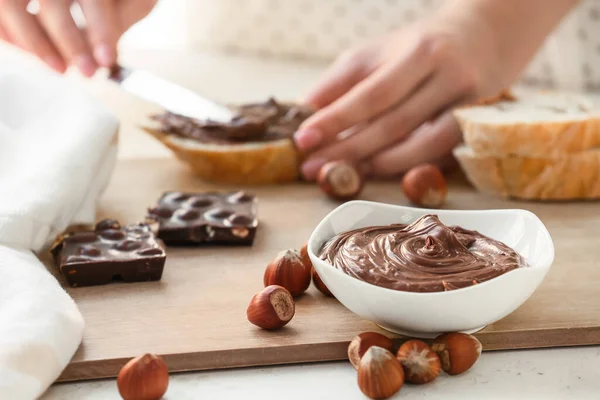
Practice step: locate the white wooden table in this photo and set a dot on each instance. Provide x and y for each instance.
(557, 374)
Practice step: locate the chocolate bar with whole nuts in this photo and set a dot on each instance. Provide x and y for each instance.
(212, 218)
(110, 253)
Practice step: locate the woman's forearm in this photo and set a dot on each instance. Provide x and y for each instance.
(517, 27)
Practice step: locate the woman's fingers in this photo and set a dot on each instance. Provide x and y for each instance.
(131, 11)
(429, 100)
(430, 142)
(24, 30)
(102, 29)
(56, 18)
(54, 36)
(384, 88)
(3, 34)
(446, 163)
(346, 71)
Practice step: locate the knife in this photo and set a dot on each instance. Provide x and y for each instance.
(168, 95)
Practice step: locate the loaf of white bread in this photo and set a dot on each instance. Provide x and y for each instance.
(532, 145)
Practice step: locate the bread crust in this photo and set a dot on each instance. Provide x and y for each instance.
(544, 139)
(567, 177)
(255, 163)
(534, 138)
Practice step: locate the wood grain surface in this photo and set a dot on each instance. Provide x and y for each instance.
(195, 316)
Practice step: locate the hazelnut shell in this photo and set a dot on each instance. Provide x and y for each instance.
(143, 378)
(361, 343)
(421, 364)
(380, 374)
(425, 186)
(320, 285)
(305, 257)
(288, 270)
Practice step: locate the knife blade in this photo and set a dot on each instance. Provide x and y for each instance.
(170, 96)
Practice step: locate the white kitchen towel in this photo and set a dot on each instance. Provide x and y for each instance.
(57, 151)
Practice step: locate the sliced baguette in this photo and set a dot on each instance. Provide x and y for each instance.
(541, 124)
(252, 162)
(567, 177)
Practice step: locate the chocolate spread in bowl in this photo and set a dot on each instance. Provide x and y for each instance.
(425, 256)
(255, 122)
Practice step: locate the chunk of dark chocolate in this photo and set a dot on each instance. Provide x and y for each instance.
(110, 253)
(195, 218)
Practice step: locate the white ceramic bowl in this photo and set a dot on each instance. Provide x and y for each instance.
(428, 314)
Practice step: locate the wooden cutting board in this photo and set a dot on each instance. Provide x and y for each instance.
(195, 316)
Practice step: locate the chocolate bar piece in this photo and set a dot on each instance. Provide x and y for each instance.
(110, 253)
(195, 218)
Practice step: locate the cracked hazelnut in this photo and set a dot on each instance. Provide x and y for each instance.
(361, 343)
(288, 270)
(271, 308)
(425, 186)
(143, 378)
(340, 180)
(458, 352)
(380, 374)
(421, 364)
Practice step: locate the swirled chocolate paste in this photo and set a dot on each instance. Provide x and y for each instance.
(256, 122)
(425, 256)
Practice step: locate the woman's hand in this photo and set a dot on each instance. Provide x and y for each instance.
(54, 37)
(386, 106)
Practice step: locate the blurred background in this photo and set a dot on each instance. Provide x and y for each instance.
(319, 30)
(165, 28)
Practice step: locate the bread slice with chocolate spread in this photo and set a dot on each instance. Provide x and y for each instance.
(256, 147)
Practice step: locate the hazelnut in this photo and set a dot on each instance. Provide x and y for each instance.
(242, 233)
(271, 308)
(319, 284)
(288, 270)
(425, 186)
(457, 351)
(305, 257)
(340, 180)
(361, 343)
(315, 277)
(421, 364)
(380, 374)
(143, 378)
